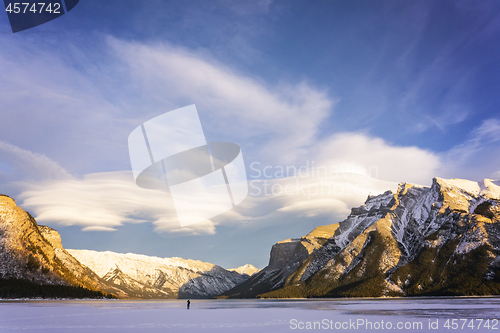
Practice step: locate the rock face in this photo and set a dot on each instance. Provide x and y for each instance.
(286, 257)
(438, 240)
(152, 277)
(33, 253)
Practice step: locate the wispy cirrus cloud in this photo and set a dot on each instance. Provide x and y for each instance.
(25, 163)
(263, 119)
(79, 109)
(284, 118)
(478, 156)
(151, 79)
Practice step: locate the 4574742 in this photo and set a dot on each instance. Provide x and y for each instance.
(35, 8)
(474, 324)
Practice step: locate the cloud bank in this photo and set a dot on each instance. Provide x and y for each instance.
(103, 202)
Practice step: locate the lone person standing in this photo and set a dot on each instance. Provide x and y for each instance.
(188, 302)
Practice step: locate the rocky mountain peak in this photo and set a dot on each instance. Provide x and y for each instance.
(246, 269)
(417, 241)
(142, 276)
(52, 236)
(34, 253)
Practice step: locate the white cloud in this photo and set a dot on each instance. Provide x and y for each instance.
(78, 108)
(347, 167)
(273, 124)
(341, 177)
(102, 202)
(478, 157)
(315, 207)
(377, 158)
(149, 79)
(28, 165)
(106, 201)
(284, 118)
(487, 133)
(451, 115)
(58, 104)
(98, 228)
(294, 200)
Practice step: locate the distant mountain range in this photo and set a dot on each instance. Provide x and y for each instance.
(419, 241)
(438, 240)
(143, 276)
(34, 263)
(247, 269)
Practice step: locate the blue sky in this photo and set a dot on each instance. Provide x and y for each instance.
(410, 88)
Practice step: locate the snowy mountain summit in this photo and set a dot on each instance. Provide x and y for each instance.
(32, 259)
(245, 269)
(153, 277)
(438, 240)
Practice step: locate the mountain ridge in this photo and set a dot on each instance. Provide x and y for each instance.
(34, 263)
(159, 277)
(415, 241)
(32, 255)
(246, 269)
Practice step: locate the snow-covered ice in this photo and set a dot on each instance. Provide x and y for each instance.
(245, 315)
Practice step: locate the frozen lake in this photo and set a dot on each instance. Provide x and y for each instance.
(345, 315)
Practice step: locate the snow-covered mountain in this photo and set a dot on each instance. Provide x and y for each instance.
(245, 269)
(438, 240)
(33, 256)
(153, 277)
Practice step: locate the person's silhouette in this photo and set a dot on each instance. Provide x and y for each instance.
(188, 302)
